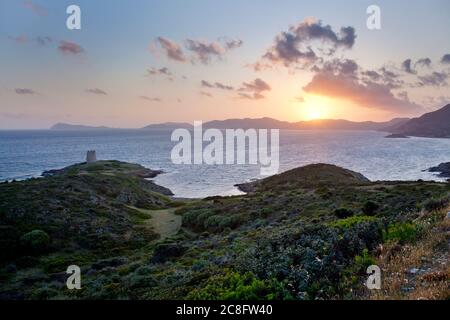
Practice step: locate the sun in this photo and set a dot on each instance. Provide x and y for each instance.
(315, 107)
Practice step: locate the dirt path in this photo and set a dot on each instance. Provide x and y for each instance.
(165, 222)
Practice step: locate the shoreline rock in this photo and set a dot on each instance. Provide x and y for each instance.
(397, 136)
(443, 169)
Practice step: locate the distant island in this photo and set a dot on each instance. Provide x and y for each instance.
(66, 126)
(434, 124)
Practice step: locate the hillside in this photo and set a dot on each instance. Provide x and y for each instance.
(308, 233)
(433, 125)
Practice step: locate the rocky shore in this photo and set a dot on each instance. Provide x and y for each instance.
(443, 169)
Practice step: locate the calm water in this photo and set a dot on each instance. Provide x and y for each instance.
(25, 154)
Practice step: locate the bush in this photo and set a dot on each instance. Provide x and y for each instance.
(436, 204)
(237, 286)
(363, 261)
(370, 208)
(401, 232)
(36, 241)
(351, 221)
(343, 213)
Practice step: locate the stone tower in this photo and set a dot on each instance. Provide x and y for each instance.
(91, 156)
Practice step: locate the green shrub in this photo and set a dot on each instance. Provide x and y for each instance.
(363, 261)
(351, 221)
(401, 232)
(436, 204)
(36, 241)
(236, 286)
(370, 208)
(343, 213)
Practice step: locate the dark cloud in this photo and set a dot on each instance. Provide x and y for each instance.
(206, 84)
(295, 45)
(233, 44)
(338, 66)
(161, 71)
(407, 66)
(216, 85)
(25, 91)
(369, 95)
(36, 8)
(150, 99)
(446, 58)
(424, 62)
(96, 91)
(253, 90)
(435, 79)
(172, 49)
(67, 47)
(371, 75)
(205, 51)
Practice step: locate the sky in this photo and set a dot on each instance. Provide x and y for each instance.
(138, 62)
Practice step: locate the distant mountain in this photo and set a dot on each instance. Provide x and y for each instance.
(261, 123)
(66, 126)
(167, 125)
(329, 124)
(433, 125)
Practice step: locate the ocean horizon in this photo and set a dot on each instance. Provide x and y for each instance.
(27, 153)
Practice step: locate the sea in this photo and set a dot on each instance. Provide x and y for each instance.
(26, 154)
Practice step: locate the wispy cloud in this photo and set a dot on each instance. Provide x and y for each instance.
(19, 39)
(35, 8)
(206, 94)
(70, 48)
(25, 91)
(172, 49)
(96, 91)
(216, 85)
(253, 90)
(150, 99)
(205, 51)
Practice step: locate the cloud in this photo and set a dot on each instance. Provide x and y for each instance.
(435, 79)
(150, 99)
(406, 66)
(205, 51)
(172, 49)
(233, 44)
(206, 94)
(370, 95)
(43, 41)
(96, 91)
(162, 71)
(295, 45)
(424, 62)
(446, 58)
(253, 90)
(67, 47)
(19, 39)
(216, 85)
(36, 8)
(25, 91)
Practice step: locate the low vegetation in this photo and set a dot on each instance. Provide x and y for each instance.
(309, 233)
